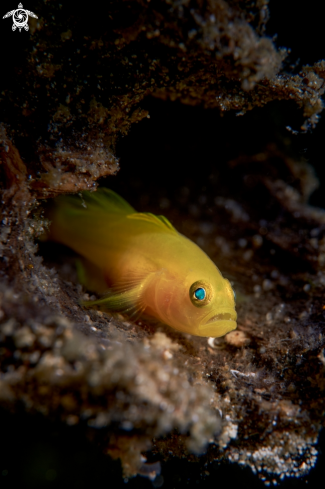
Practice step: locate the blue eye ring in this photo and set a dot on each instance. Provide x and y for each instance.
(201, 293)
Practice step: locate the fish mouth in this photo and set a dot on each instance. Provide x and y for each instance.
(219, 324)
(225, 316)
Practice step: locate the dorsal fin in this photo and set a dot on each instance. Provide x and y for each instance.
(167, 223)
(160, 221)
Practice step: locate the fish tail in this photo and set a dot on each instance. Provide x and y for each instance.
(75, 216)
(107, 200)
(90, 203)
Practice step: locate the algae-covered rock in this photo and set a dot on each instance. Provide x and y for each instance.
(238, 186)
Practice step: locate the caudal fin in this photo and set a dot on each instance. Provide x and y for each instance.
(72, 213)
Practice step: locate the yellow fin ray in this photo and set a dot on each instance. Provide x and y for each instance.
(124, 302)
(108, 200)
(160, 221)
(136, 279)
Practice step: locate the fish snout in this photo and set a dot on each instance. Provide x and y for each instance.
(219, 324)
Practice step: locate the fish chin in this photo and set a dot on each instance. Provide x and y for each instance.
(219, 324)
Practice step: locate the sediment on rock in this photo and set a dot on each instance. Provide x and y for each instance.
(255, 397)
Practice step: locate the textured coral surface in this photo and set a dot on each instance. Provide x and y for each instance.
(171, 407)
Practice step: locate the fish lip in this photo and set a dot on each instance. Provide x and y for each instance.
(222, 316)
(219, 324)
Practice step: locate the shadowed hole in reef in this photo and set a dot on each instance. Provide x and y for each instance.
(287, 20)
(182, 145)
(182, 159)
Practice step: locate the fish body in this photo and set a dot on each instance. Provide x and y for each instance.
(143, 264)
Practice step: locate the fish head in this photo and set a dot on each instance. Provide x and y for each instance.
(215, 300)
(203, 306)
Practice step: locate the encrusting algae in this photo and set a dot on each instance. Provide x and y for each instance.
(143, 265)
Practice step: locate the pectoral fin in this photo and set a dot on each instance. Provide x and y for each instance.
(127, 302)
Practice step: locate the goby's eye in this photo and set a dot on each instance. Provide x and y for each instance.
(201, 293)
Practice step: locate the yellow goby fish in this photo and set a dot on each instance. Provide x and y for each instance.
(143, 264)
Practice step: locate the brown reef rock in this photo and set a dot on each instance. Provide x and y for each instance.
(254, 397)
